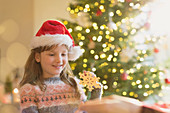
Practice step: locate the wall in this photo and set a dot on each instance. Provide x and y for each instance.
(16, 28)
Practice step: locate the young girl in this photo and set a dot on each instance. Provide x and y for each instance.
(48, 85)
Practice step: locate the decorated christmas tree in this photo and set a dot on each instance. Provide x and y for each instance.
(116, 45)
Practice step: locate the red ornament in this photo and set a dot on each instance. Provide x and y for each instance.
(128, 0)
(147, 25)
(99, 12)
(167, 80)
(124, 76)
(156, 50)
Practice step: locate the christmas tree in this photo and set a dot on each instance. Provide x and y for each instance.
(110, 34)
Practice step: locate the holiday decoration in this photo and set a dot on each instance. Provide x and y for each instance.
(156, 50)
(167, 80)
(99, 12)
(90, 80)
(124, 76)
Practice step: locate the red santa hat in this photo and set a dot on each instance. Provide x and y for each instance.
(53, 32)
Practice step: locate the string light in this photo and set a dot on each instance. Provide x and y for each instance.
(70, 30)
(92, 51)
(94, 38)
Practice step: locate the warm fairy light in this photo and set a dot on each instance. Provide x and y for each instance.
(96, 3)
(146, 86)
(15, 90)
(87, 6)
(114, 70)
(133, 83)
(132, 70)
(85, 10)
(82, 37)
(104, 82)
(79, 28)
(153, 70)
(111, 14)
(139, 86)
(115, 54)
(121, 0)
(99, 39)
(105, 87)
(131, 93)
(83, 50)
(112, 38)
(81, 43)
(104, 45)
(145, 94)
(131, 4)
(115, 83)
(124, 93)
(71, 11)
(143, 51)
(70, 30)
(137, 6)
(141, 59)
(121, 70)
(118, 12)
(68, 8)
(101, 32)
(94, 24)
(114, 59)
(107, 32)
(101, 7)
(85, 60)
(84, 65)
(87, 30)
(65, 22)
(133, 31)
(96, 57)
(138, 81)
(94, 38)
(102, 55)
(125, 33)
(92, 51)
(102, 27)
(81, 8)
(79, 34)
(93, 69)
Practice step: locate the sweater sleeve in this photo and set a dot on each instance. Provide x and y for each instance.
(28, 101)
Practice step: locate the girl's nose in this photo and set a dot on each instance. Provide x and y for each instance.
(58, 59)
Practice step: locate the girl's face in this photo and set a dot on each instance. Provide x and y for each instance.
(53, 61)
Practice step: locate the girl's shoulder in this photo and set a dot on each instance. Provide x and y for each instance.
(27, 89)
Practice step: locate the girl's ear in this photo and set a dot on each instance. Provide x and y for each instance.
(37, 57)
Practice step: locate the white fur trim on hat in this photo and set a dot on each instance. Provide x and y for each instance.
(74, 53)
(49, 40)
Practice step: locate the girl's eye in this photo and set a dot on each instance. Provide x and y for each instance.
(51, 54)
(63, 54)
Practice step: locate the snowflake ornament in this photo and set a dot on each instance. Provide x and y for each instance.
(89, 80)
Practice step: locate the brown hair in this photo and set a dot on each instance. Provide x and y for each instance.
(33, 71)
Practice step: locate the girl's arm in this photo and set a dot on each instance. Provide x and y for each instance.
(28, 101)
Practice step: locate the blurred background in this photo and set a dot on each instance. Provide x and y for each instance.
(20, 20)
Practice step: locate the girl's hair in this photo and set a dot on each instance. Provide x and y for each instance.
(33, 71)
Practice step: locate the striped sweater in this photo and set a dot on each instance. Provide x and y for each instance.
(58, 98)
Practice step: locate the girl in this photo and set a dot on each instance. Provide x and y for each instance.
(48, 85)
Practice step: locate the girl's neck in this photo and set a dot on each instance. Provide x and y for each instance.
(55, 76)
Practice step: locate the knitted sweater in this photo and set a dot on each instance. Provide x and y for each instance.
(58, 98)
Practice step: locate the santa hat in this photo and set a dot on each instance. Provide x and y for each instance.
(54, 32)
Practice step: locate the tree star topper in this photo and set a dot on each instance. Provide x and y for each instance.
(89, 80)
